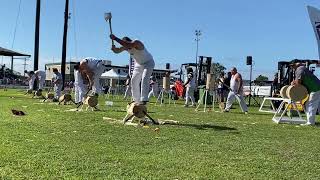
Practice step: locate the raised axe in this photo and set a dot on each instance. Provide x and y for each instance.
(108, 17)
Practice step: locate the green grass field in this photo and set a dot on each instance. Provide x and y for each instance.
(52, 143)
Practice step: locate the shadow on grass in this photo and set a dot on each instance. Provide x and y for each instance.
(205, 127)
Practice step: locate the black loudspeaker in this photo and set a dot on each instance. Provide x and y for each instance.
(167, 65)
(249, 60)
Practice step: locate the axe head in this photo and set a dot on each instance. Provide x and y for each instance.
(107, 16)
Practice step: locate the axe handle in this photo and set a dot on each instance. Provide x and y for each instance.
(110, 27)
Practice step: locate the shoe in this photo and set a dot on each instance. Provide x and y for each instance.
(307, 124)
(186, 105)
(193, 105)
(225, 110)
(246, 112)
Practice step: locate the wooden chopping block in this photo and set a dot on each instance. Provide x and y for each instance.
(91, 101)
(283, 92)
(65, 98)
(50, 96)
(138, 110)
(38, 93)
(297, 93)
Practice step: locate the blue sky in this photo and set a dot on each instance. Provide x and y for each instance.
(231, 30)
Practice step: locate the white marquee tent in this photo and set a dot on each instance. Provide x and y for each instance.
(113, 74)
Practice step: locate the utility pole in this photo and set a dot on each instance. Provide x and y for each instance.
(64, 43)
(36, 39)
(198, 34)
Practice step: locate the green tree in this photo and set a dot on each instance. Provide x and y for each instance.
(217, 69)
(262, 78)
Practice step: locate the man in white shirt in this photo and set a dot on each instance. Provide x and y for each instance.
(236, 91)
(143, 67)
(57, 81)
(190, 85)
(31, 78)
(79, 87)
(41, 75)
(154, 87)
(92, 68)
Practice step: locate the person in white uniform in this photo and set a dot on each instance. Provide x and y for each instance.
(57, 81)
(236, 91)
(41, 75)
(154, 87)
(190, 84)
(79, 87)
(143, 66)
(306, 78)
(128, 87)
(92, 68)
(31, 78)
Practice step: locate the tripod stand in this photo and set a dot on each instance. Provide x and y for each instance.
(161, 97)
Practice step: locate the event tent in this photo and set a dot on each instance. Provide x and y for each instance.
(12, 54)
(113, 74)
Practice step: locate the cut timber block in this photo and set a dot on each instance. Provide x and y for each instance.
(297, 93)
(91, 101)
(138, 110)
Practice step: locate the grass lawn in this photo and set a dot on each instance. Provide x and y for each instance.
(52, 143)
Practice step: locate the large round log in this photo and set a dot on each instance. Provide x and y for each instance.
(65, 97)
(138, 110)
(92, 101)
(283, 92)
(297, 93)
(38, 93)
(50, 96)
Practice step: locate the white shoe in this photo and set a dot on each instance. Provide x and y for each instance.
(307, 124)
(246, 112)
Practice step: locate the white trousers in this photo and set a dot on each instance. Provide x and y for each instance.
(312, 106)
(57, 91)
(141, 74)
(96, 87)
(153, 92)
(31, 81)
(231, 97)
(79, 91)
(42, 82)
(190, 95)
(128, 92)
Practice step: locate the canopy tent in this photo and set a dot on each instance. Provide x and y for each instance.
(114, 79)
(113, 74)
(11, 53)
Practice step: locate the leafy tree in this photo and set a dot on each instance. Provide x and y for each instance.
(217, 69)
(262, 78)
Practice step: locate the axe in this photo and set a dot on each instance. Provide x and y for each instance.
(107, 17)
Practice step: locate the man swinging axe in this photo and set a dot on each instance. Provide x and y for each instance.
(143, 68)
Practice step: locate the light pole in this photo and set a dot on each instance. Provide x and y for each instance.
(198, 34)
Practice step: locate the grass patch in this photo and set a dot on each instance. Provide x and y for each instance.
(51, 143)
